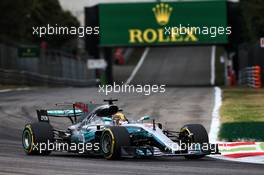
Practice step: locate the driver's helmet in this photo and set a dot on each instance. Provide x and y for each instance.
(119, 118)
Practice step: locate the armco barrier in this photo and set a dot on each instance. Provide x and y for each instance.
(251, 76)
(35, 79)
(51, 67)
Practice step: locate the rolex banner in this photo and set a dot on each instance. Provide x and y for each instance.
(163, 23)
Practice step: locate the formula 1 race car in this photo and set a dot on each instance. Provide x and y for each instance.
(105, 130)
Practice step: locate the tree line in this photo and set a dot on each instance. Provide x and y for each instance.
(17, 17)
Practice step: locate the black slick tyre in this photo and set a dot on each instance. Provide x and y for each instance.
(194, 133)
(35, 134)
(112, 140)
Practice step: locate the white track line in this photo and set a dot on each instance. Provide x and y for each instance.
(215, 124)
(144, 55)
(17, 89)
(213, 65)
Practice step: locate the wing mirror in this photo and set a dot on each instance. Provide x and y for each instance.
(144, 118)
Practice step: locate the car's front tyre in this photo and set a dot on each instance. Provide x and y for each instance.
(112, 140)
(194, 133)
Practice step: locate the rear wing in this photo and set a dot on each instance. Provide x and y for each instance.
(78, 110)
(43, 115)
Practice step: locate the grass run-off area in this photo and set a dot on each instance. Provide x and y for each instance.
(242, 115)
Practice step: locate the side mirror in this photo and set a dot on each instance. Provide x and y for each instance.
(146, 117)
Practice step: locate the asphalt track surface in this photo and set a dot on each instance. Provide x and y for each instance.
(176, 66)
(174, 108)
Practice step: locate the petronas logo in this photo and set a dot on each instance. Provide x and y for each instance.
(162, 13)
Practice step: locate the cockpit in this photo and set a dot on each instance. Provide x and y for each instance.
(98, 120)
(101, 115)
(105, 115)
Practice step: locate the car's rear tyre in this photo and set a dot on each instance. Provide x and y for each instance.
(194, 133)
(112, 140)
(35, 134)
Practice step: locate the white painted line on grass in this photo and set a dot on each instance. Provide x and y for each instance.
(215, 124)
(144, 55)
(213, 66)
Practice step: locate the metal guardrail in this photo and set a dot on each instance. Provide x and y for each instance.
(35, 79)
(251, 76)
(50, 68)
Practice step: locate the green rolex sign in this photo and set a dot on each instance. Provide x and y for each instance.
(166, 23)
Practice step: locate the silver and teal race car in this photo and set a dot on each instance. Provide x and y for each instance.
(104, 130)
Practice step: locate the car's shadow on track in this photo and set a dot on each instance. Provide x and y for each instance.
(138, 159)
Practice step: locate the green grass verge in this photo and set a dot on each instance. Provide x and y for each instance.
(242, 115)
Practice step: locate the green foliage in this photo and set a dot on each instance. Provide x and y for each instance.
(253, 21)
(17, 17)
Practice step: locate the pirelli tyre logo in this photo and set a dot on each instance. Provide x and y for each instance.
(162, 13)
